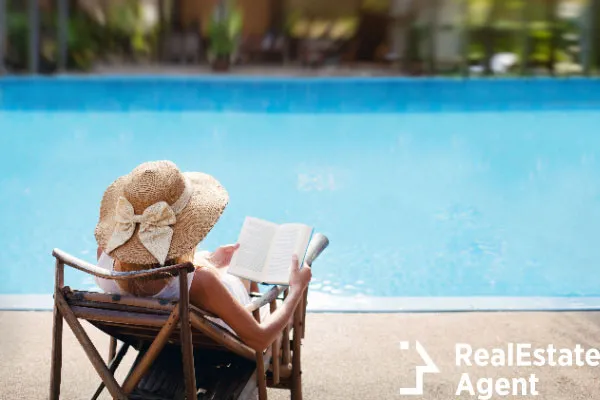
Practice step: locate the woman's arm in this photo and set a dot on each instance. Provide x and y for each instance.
(207, 291)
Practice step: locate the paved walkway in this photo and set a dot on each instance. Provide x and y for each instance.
(346, 356)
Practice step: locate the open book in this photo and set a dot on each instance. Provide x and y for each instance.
(266, 249)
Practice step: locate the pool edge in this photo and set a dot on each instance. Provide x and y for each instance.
(26, 302)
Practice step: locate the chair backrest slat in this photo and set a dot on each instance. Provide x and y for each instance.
(117, 307)
(122, 317)
(155, 273)
(105, 298)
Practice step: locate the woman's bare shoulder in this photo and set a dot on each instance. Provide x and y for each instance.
(205, 275)
(207, 291)
(206, 281)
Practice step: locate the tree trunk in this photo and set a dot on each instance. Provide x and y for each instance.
(489, 35)
(551, 16)
(465, 38)
(277, 17)
(176, 23)
(525, 40)
(593, 37)
(433, 32)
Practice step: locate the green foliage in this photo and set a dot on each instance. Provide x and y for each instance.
(292, 18)
(18, 34)
(122, 31)
(224, 29)
(123, 17)
(415, 35)
(376, 6)
(478, 12)
(476, 52)
(81, 41)
(221, 43)
(124, 22)
(596, 39)
(87, 38)
(235, 23)
(547, 39)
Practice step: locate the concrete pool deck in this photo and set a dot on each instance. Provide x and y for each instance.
(346, 356)
(346, 70)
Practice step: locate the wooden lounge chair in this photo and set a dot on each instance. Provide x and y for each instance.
(211, 361)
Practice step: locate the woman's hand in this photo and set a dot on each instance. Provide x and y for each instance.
(221, 257)
(299, 278)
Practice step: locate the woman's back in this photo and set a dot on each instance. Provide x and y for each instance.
(157, 215)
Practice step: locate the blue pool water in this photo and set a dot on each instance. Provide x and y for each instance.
(471, 202)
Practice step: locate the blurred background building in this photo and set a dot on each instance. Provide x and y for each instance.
(411, 37)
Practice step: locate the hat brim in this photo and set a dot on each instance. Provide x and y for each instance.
(194, 222)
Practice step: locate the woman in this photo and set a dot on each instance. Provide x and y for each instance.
(157, 215)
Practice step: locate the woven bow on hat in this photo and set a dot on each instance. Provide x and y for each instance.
(155, 227)
(157, 213)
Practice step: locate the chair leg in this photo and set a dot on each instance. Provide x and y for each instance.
(57, 333)
(56, 363)
(112, 349)
(285, 356)
(261, 379)
(112, 367)
(275, 347)
(296, 370)
(186, 338)
(89, 348)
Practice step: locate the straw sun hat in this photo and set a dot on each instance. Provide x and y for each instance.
(156, 213)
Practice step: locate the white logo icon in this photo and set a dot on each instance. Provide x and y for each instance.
(428, 368)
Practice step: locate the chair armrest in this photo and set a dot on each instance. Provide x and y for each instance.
(259, 294)
(266, 298)
(318, 243)
(156, 273)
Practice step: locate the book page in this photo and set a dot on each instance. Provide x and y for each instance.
(255, 239)
(289, 239)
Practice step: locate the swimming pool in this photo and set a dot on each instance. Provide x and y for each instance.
(436, 194)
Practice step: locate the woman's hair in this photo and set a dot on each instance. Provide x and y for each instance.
(146, 286)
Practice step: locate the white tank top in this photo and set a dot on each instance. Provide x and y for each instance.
(171, 290)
